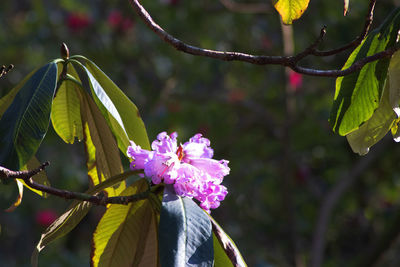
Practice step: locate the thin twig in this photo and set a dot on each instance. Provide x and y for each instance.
(288, 61)
(332, 198)
(95, 199)
(4, 70)
(375, 252)
(367, 25)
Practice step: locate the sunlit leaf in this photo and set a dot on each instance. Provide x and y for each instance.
(126, 232)
(25, 122)
(103, 159)
(19, 197)
(345, 7)
(290, 9)
(228, 246)
(358, 95)
(375, 128)
(111, 98)
(220, 257)
(185, 233)
(65, 114)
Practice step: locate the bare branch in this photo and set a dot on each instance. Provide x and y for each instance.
(332, 198)
(7, 174)
(287, 61)
(249, 8)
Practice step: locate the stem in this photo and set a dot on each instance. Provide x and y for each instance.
(6, 174)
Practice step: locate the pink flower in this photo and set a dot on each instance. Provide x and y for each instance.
(295, 80)
(115, 18)
(189, 167)
(46, 217)
(118, 22)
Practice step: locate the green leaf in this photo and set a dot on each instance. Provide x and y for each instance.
(185, 233)
(103, 159)
(25, 122)
(126, 233)
(121, 110)
(65, 115)
(375, 128)
(394, 80)
(74, 214)
(6, 100)
(290, 9)
(220, 257)
(358, 95)
(227, 245)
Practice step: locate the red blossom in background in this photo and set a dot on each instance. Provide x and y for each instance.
(295, 80)
(46, 217)
(236, 95)
(170, 2)
(78, 21)
(118, 22)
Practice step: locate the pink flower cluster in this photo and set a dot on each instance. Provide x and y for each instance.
(189, 167)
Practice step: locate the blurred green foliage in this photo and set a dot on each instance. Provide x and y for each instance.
(240, 107)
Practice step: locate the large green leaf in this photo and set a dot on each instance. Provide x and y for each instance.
(103, 159)
(65, 114)
(74, 214)
(375, 128)
(358, 95)
(185, 232)
(290, 9)
(6, 100)
(120, 110)
(126, 233)
(25, 122)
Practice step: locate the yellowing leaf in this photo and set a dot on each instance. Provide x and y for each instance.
(290, 9)
(19, 198)
(40, 178)
(101, 147)
(127, 233)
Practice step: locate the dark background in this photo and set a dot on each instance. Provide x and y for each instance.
(285, 160)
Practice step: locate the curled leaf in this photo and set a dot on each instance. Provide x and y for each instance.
(19, 198)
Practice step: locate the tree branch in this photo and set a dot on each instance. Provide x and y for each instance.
(371, 256)
(368, 21)
(333, 196)
(287, 61)
(6, 174)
